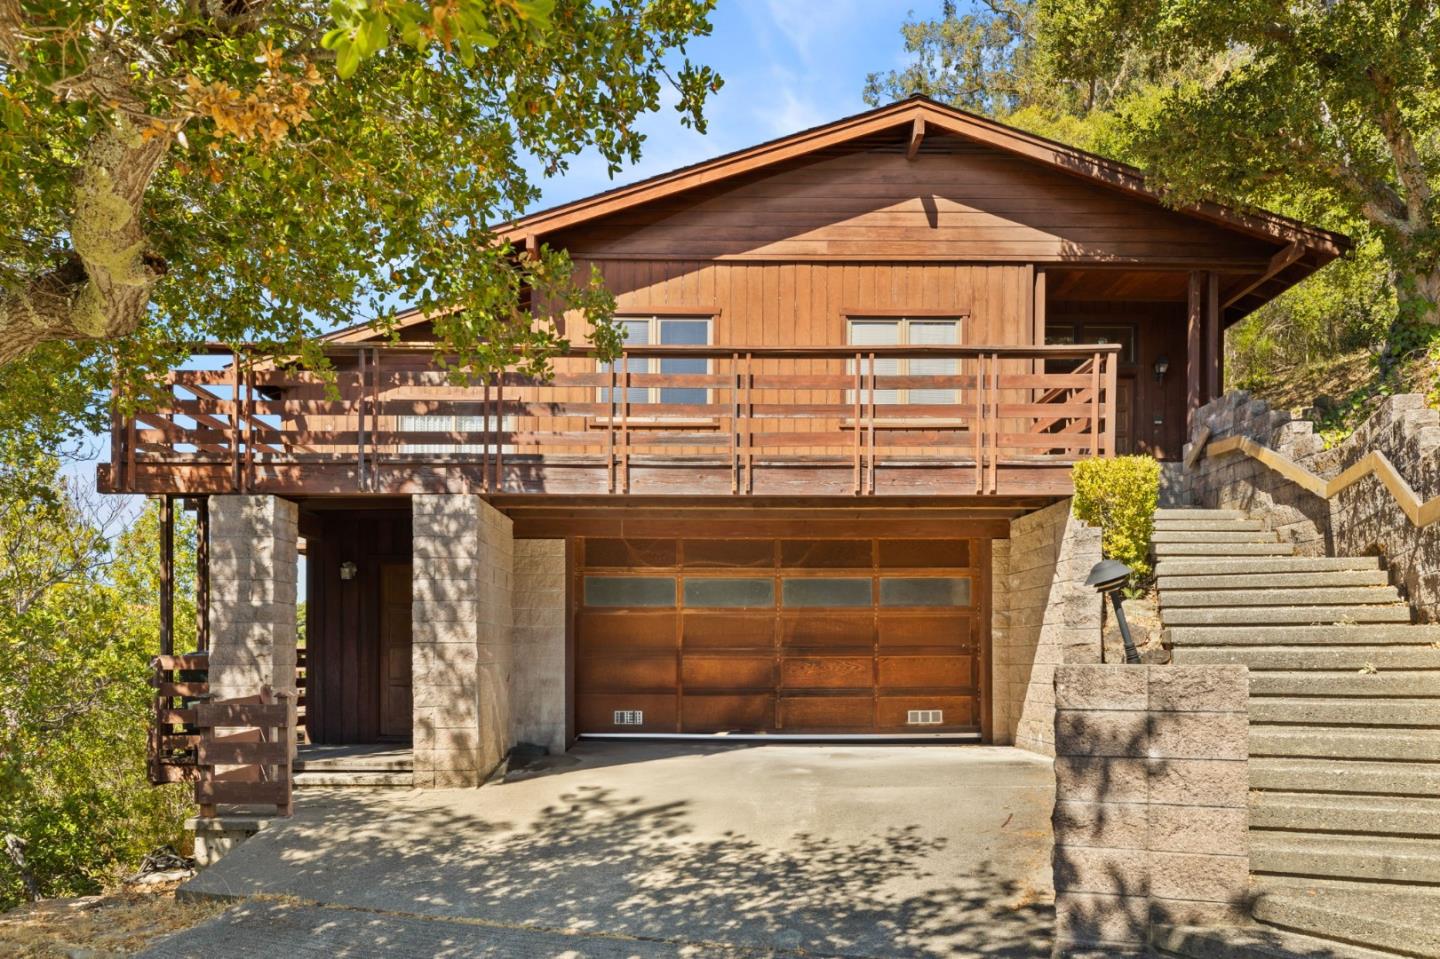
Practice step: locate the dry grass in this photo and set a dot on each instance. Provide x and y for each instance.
(116, 924)
(1298, 387)
(1346, 389)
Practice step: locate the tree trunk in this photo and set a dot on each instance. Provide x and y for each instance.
(103, 290)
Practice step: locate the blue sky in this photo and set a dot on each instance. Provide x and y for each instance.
(787, 65)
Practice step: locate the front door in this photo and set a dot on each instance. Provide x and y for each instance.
(395, 701)
(1125, 415)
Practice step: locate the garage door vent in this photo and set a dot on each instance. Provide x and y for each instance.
(924, 717)
(629, 717)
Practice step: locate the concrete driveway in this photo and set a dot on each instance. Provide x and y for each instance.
(640, 850)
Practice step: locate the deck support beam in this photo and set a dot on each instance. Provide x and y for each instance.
(1194, 362)
(167, 575)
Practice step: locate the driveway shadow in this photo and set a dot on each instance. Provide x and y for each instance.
(597, 859)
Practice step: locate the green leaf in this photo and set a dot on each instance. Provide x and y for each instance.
(347, 59)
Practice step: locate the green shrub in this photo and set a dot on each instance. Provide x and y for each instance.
(1119, 495)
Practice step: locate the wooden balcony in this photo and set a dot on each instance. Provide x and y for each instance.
(666, 421)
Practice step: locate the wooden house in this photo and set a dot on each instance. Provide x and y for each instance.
(855, 355)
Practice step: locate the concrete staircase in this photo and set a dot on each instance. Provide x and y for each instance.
(1344, 737)
(359, 766)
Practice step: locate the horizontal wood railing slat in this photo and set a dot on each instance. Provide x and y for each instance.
(759, 406)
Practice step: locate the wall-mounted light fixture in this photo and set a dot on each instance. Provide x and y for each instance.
(1162, 365)
(348, 570)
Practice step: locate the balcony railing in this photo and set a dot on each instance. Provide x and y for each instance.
(659, 420)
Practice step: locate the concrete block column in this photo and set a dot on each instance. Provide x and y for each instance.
(538, 686)
(461, 632)
(254, 559)
(1044, 615)
(1151, 803)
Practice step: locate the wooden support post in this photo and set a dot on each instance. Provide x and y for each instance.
(1037, 319)
(360, 421)
(235, 420)
(167, 575)
(1112, 404)
(117, 425)
(856, 414)
(202, 573)
(1193, 359)
(1212, 336)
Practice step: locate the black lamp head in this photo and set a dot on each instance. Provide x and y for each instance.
(1108, 574)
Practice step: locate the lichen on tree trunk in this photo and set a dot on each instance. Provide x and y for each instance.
(103, 290)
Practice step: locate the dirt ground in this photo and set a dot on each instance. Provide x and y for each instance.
(115, 924)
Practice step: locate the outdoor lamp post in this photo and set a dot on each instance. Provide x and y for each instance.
(1107, 577)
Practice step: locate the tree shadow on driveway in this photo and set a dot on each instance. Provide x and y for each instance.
(596, 861)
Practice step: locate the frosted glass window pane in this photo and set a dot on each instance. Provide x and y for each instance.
(875, 332)
(904, 591)
(629, 591)
(929, 333)
(826, 592)
(730, 592)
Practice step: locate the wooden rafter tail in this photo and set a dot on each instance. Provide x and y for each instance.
(1375, 463)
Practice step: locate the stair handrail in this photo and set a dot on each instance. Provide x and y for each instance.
(1420, 513)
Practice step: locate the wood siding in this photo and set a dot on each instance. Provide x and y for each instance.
(955, 201)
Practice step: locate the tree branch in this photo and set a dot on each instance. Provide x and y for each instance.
(103, 290)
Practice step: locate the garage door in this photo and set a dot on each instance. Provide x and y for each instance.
(828, 636)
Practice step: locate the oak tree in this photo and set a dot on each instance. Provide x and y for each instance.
(265, 170)
(1309, 101)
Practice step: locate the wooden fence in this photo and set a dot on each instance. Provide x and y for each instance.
(232, 751)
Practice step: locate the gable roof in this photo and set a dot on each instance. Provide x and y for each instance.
(921, 115)
(1303, 248)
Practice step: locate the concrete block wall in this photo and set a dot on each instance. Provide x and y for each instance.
(1239, 482)
(461, 627)
(1152, 803)
(1043, 615)
(1362, 520)
(537, 690)
(1365, 518)
(254, 559)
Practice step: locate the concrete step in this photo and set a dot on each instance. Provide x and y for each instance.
(1227, 550)
(1344, 776)
(1228, 581)
(1209, 522)
(1325, 711)
(1403, 921)
(1391, 859)
(1251, 942)
(372, 780)
(1194, 513)
(379, 764)
(1323, 659)
(1380, 917)
(1213, 536)
(1410, 683)
(1290, 596)
(1181, 566)
(1302, 636)
(1374, 815)
(1285, 615)
(1327, 742)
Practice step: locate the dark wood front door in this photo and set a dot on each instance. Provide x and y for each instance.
(1125, 415)
(395, 699)
(854, 636)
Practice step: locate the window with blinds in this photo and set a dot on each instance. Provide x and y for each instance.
(664, 331)
(457, 430)
(905, 331)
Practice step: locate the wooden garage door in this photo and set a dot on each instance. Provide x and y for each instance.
(786, 636)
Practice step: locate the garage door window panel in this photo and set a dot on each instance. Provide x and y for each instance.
(825, 591)
(629, 591)
(726, 592)
(924, 591)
